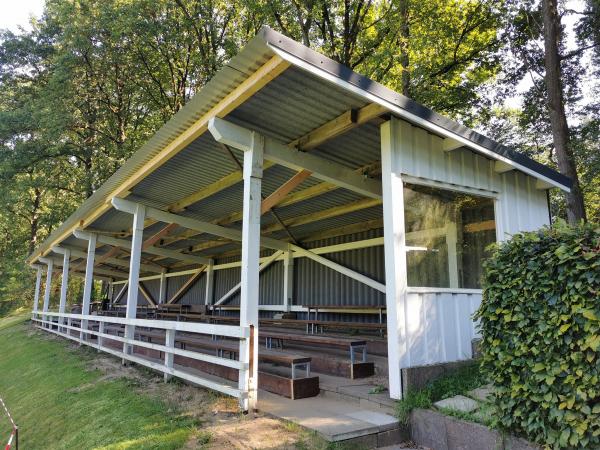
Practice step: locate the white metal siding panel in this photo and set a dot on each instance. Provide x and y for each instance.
(440, 327)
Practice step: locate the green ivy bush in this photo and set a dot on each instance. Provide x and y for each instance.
(540, 322)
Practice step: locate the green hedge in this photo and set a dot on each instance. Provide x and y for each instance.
(540, 321)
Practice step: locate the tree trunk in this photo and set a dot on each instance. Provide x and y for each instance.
(404, 37)
(556, 109)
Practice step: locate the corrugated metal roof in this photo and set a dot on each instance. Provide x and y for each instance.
(288, 107)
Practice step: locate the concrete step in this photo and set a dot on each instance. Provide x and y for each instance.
(364, 392)
(337, 420)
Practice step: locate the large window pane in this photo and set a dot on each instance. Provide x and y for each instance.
(446, 235)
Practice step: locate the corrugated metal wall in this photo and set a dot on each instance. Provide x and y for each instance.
(318, 285)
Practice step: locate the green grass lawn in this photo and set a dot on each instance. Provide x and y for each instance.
(59, 403)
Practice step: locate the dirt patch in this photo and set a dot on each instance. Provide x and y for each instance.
(254, 433)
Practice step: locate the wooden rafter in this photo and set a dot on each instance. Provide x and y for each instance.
(121, 292)
(280, 193)
(325, 214)
(159, 235)
(341, 124)
(146, 294)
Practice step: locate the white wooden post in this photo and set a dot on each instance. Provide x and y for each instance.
(139, 214)
(88, 283)
(38, 284)
(169, 343)
(64, 285)
(392, 146)
(100, 338)
(288, 280)
(47, 287)
(253, 171)
(451, 242)
(162, 291)
(111, 290)
(210, 283)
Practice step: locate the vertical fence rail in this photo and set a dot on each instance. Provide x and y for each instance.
(14, 435)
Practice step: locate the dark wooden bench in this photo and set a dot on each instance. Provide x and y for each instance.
(171, 311)
(353, 368)
(319, 326)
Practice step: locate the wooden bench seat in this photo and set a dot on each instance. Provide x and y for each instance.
(316, 326)
(353, 368)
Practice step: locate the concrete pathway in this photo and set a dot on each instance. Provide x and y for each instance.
(335, 420)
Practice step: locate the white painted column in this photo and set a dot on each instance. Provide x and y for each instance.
(134, 272)
(162, 291)
(392, 143)
(50, 267)
(88, 283)
(288, 280)
(38, 284)
(210, 283)
(249, 290)
(64, 285)
(451, 242)
(111, 290)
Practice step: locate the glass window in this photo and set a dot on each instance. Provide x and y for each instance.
(446, 236)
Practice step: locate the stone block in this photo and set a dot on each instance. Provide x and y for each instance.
(458, 403)
(393, 437)
(428, 428)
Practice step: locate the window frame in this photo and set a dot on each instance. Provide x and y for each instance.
(493, 195)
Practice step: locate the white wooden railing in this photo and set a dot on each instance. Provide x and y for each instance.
(46, 321)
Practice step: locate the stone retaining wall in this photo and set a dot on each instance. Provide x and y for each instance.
(440, 432)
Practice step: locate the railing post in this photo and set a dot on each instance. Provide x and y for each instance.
(210, 286)
(100, 338)
(47, 288)
(64, 283)
(162, 291)
(288, 280)
(249, 288)
(88, 284)
(38, 284)
(169, 357)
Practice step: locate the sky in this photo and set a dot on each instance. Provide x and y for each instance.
(15, 13)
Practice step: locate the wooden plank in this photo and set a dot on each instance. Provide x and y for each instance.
(283, 190)
(120, 294)
(324, 214)
(146, 294)
(159, 235)
(480, 226)
(344, 122)
(186, 287)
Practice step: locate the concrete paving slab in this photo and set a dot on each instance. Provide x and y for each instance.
(335, 420)
(458, 403)
(383, 421)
